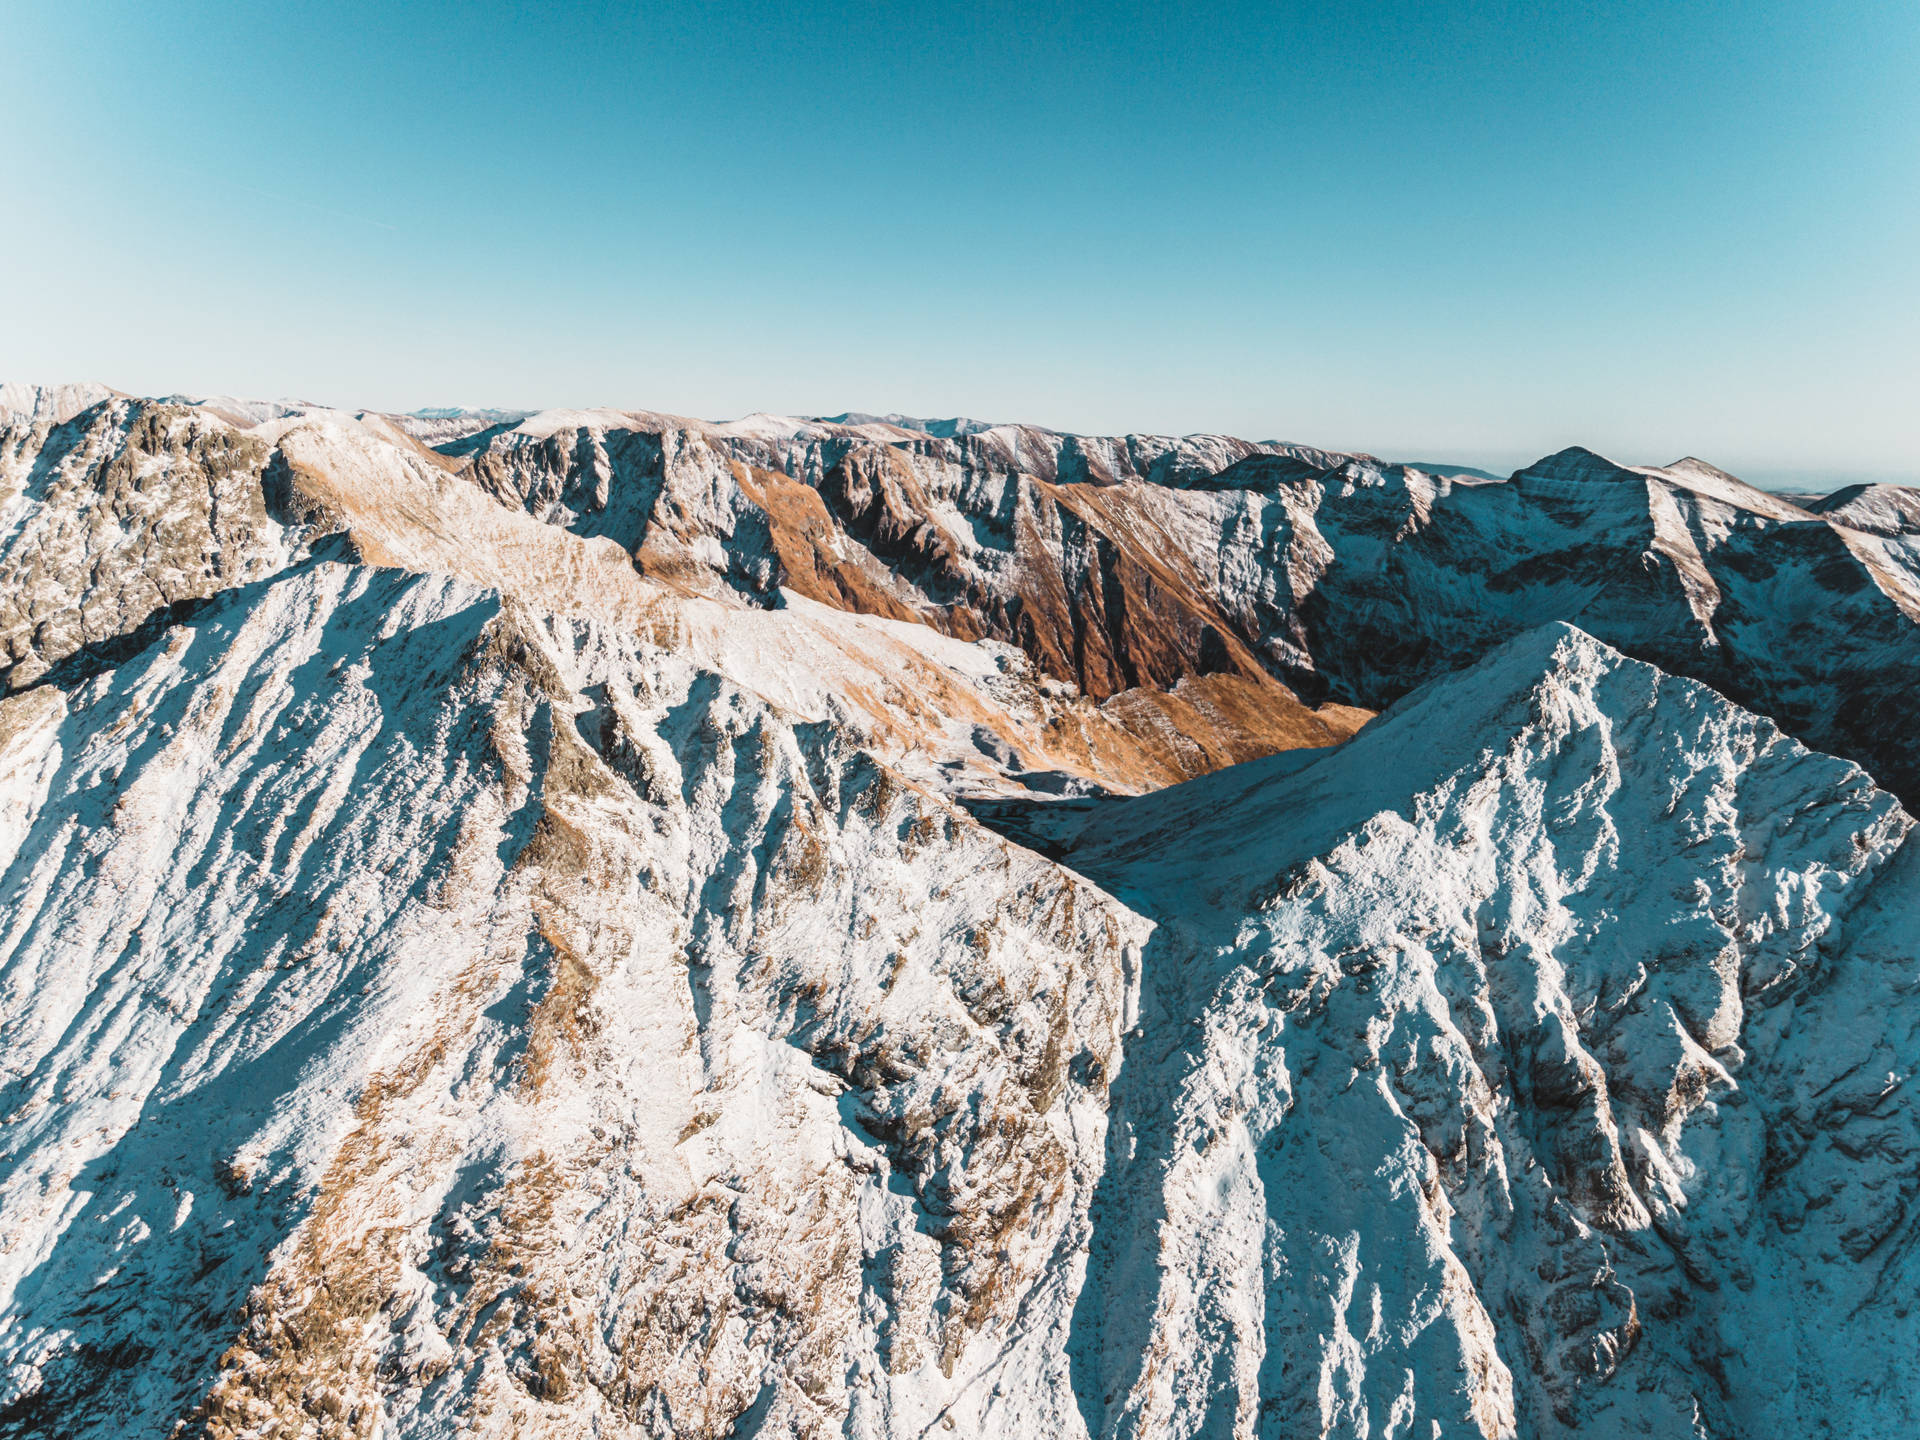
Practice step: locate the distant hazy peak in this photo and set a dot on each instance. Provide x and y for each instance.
(1877, 509)
(1447, 470)
(54, 404)
(442, 424)
(245, 413)
(1576, 463)
(463, 412)
(1689, 465)
(939, 429)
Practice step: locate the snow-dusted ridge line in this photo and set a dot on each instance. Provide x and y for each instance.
(1192, 590)
(1250, 581)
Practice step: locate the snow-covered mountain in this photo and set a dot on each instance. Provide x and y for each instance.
(603, 923)
(1536, 1063)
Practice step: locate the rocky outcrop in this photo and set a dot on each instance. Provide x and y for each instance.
(119, 519)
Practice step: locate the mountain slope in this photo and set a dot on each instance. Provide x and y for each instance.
(518, 1030)
(1535, 1064)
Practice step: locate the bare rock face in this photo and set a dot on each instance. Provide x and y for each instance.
(119, 519)
(1006, 531)
(922, 530)
(605, 923)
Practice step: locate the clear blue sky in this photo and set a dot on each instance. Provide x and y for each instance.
(1475, 232)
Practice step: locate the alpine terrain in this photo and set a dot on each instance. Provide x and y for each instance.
(599, 923)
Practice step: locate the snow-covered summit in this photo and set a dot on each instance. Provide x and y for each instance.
(1875, 509)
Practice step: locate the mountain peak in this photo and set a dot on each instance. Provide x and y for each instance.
(50, 404)
(947, 429)
(1575, 463)
(1472, 889)
(1876, 509)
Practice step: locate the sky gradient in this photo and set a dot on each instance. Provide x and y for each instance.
(1465, 232)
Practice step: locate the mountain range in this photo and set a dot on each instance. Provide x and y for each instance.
(605, 923)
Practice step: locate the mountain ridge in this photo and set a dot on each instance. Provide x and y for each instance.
(611, 923)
